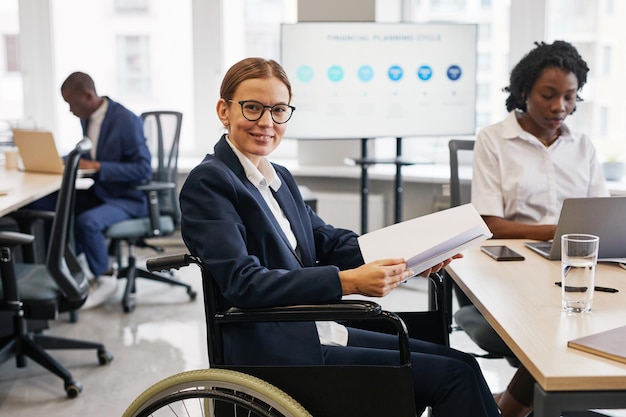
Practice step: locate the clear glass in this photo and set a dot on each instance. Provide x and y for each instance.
(579, 256)
(11, 159)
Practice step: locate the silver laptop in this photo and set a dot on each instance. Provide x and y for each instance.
(601, 216)
(39, 153)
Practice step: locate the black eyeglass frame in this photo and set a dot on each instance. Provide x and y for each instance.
(242, 102)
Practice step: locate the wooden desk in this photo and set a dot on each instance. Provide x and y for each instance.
(23, 188)
(522, 303)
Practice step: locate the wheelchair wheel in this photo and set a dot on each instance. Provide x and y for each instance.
(214, 393)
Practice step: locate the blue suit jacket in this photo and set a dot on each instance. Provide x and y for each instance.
(226, 222)
(124, 160)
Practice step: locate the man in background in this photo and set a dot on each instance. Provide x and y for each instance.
(119, 160)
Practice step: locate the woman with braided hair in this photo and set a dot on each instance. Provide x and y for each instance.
(523, 169)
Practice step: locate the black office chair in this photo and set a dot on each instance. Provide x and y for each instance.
(32, 294)
(458, 194)
(366, 391)
(162, 130)
(467, 317)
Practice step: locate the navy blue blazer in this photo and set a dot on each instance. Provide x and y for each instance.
(124, 160)
(227, 223)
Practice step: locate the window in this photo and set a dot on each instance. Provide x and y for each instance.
(604, 121)
(483, 61)
(607, 56)
(133, 65)
(482, 119)
(594, 27)
(12, 56)
(260, 26)
(483, 91)
(492, 59)
(608, 7)
(138, 64)
(131, 6)
(484, 32)
(262, 22)
(448, 6)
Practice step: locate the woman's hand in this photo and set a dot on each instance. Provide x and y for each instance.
(374, 279)
(440, 265)
(378, 278)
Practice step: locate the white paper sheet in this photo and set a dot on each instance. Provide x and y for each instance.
(427, 240)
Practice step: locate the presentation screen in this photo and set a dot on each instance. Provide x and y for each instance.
(366, 80)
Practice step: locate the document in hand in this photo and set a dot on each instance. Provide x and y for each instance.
(427, 240)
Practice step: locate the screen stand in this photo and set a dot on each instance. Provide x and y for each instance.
(364, 161)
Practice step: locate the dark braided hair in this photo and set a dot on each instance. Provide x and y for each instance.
(559, 54)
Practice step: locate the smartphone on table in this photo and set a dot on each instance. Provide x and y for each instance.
(502, 253)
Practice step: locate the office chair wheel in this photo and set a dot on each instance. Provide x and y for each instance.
(191, 293)
(200, 392)
(104, 357)
(73, 388)
(128, 305)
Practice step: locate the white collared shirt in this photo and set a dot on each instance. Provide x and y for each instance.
(517, 178)
(93, 127)
(264, 178)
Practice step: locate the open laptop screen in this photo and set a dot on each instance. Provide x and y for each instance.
(601, 216)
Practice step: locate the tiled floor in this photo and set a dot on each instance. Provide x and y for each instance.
(163, 336)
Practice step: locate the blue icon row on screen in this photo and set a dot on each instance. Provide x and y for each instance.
(365, 73)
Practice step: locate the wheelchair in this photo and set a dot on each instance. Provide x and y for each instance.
(201, 392)
(275, 391)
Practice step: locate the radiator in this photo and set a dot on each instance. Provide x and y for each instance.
(344, 210)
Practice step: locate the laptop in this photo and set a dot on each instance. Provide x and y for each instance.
(601, 216)
(39, 152)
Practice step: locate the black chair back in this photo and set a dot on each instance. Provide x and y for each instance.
(61, 260)
(457, 197)
(162, 130)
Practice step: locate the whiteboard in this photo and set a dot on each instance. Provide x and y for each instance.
(357, 80)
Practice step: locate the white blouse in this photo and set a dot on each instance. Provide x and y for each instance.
(517, 178)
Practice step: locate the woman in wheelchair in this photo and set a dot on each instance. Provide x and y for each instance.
(246, 220)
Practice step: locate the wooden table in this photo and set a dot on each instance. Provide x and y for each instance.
(522, 303)
(22, 188)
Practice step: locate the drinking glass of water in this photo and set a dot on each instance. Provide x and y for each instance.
(579, 256)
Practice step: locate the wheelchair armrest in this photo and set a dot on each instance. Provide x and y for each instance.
(341, 311)
(344, 310)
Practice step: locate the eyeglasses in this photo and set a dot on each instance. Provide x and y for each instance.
(253, 110)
